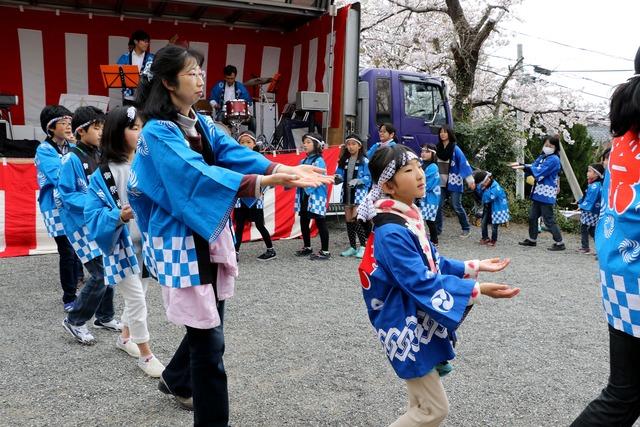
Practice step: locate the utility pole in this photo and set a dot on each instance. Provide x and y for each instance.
(519, 150)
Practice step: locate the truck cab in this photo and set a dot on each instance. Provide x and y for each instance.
(415, 103)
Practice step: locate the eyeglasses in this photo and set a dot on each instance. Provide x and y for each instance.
(196, 74)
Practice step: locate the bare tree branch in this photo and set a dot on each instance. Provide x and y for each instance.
(503, 85)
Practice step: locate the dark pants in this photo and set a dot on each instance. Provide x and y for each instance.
(323, 230)
(95, 297)
(68, 265)
(433, 231)
(585, 232)
(456, 204)
(619, 402)
(196, 369)
(545, 211)
(486, 220)
(242, 215)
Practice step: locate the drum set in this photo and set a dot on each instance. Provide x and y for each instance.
(236, 112)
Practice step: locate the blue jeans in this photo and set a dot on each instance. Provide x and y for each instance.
(196, 369)
(456, 204)
(486, 220)
(95, 297)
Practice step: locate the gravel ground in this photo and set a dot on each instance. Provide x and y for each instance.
(301, 352)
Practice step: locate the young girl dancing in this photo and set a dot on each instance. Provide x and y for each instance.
(431, 201)
(111, 223)
(251, 209)
(184, 182)
(415, 298)
(311, 203)
(353, 174)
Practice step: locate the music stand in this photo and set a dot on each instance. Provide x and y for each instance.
(117, 76)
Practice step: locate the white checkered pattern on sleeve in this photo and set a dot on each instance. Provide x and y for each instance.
(176, 261)
(455, 179)
(85, 248)
(317, 205)
(121, 263)
(429, 212)
(588, 218)
(53, 222)
(361, 193)
(621, 301)
(147, 256)
(500, 217)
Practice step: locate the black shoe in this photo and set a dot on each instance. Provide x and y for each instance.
(527, 242)
(556, 247)
(320, 256)
(269, 254)
(304, 252)
(185, 402)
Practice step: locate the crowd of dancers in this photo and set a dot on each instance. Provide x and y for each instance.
(145, 194)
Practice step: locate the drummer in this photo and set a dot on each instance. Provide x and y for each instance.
(227, 90)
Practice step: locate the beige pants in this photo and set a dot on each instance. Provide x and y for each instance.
(428, 404)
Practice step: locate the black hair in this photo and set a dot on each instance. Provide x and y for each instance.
(344, 153)
(383, 156)
(152, 96)
(49, 113)
(600, 168)
(450, 132)
(88, 114)
(605, 154)
(317, 148)
(432, 149)
(138, 35)
(113, 144)
(252, 136)
(390, 129)
(230, 69)
(553, 140)
(624, 109)
(479, 176)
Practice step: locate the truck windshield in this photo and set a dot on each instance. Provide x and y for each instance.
(424, 101)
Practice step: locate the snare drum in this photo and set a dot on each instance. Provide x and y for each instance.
(237, 110)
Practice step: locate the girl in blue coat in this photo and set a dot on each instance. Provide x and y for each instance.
(387, 134)
(311, 203)
(495, 205)
(111, 224)
(415, 298)
(431, 201)
(545, 170)
(590, 205)
(353, 174)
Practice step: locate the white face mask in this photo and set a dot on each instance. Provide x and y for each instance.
(548, 150)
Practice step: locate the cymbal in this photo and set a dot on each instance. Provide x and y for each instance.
(258, 81)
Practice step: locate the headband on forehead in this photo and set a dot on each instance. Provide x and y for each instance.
(314, 139)
(595, 171)
(85, 124)
(367, 210)
(56, 119)
(353, 139)
(246, 134)
(486, 178)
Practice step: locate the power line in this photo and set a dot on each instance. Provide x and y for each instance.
(570, 46)
(592, 71)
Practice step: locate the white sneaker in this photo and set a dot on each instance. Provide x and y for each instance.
(112, 325)
(130, 347)
(152, 367)
(80, 333)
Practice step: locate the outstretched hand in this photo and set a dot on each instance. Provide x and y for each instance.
(307, 176)
(492, 265)
(498, 290)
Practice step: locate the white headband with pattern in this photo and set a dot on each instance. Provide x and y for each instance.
(367, 210)
(486, 178)
(85, 124)
(57, 119)
(353, 139)
(595, 171)
(315, 139)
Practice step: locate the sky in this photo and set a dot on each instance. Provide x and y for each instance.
(610, 27)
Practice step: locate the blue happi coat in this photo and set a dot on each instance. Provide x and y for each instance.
(590, 204)
(102, 215)
(497, 198)
(374, 147)
(618, 236)
(175, 194)
(240, 90)
(545, 170)
(431, 201)
(413, 310)
(72, 188)
(362, 173)
(459, 170)
(125, 59)
(317, 203)
(48, 161)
